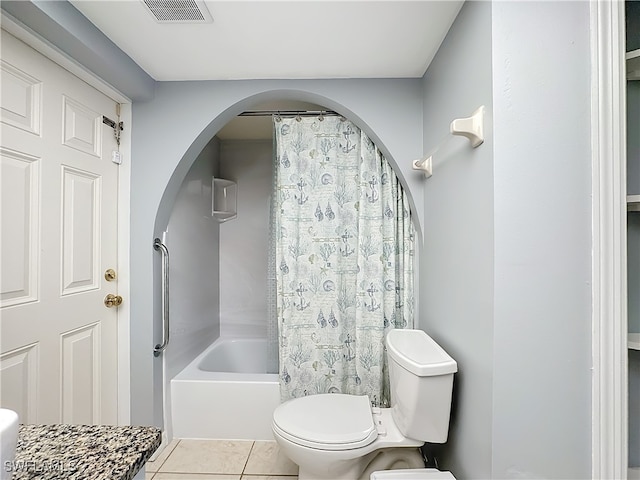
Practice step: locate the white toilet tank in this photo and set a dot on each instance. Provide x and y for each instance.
(421, 379)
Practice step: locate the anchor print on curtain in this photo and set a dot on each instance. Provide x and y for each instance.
(344, 258)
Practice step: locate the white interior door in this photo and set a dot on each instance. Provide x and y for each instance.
(58, 188)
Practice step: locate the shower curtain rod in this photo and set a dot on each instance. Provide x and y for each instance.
(287, 113)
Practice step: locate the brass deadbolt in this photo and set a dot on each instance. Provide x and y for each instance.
(110, 275)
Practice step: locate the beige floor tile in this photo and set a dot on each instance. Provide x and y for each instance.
(157, 463)
(267, 459)
(194, 476)
(269, 477)
(208, 456)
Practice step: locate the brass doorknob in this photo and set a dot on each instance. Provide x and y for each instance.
(112, 300)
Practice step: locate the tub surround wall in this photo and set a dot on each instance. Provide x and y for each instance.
(192, 240)
(518, 248)
(244, 240)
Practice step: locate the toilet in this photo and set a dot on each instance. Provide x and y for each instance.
(337, 436)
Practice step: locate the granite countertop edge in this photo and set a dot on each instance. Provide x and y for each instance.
(78, 452)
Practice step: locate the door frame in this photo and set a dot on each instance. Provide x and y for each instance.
(609, 264)
(124, 181)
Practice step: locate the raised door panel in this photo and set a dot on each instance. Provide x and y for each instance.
(19, 382)
(20, 99)
(19, 204)
(80, 361)
(82, 127)
(80, 230)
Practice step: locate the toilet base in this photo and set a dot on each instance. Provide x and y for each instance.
(362, 468)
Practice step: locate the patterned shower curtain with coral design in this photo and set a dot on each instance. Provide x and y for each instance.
(344, 258)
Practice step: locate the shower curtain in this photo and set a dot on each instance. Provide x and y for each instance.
(344, 244)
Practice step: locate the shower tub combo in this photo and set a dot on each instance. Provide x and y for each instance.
(226, 393)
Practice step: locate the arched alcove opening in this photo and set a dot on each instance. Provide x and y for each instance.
(274, 98)
(198, 301)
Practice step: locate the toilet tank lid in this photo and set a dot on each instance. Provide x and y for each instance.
(419, 353)
(412, 474)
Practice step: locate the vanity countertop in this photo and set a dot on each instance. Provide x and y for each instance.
(83, 452)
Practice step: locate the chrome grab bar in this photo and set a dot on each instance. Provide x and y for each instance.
(159, 246)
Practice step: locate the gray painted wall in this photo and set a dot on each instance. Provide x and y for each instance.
(633, 248)
(634, 415)
(244, 241)
(456, 269)
(506, 268)
(163, 155)
(633, 270)
(632, 17)
(633, 138)
(542, 289)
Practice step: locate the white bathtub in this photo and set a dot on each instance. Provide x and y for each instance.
(226, 393)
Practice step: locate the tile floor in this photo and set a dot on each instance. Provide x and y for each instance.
(221, 460)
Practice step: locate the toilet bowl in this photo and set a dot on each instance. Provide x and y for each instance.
(338, 436)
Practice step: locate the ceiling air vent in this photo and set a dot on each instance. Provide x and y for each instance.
(178, 11)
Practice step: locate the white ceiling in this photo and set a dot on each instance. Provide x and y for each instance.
(280, 39)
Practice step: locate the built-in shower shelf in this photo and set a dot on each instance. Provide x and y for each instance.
(224, 199)
(633, 340)
(633, 203)
(223, 216)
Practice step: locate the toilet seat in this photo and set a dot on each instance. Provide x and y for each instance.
(326, 421)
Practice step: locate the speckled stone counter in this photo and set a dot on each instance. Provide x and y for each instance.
(78, 452)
